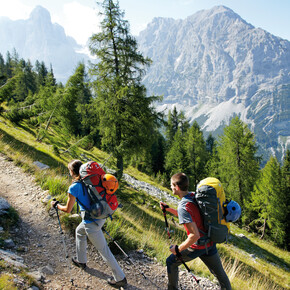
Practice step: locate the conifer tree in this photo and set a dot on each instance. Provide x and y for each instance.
(176, 158)
(42, 72)
(126, 114)
(2, 70)
(268, 200)
(196, 153)
(238, 163)
(72, 106)
(285, 198)
(175, 120)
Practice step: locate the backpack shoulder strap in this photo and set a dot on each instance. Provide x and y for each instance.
(191, 198)
(84, 192)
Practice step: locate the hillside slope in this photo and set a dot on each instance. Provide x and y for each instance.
(43, 252)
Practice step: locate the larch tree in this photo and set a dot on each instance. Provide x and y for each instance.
(196, 153)
(286, 196)
(176, 158)
(125, 112)
(268, 200)
(239, 165)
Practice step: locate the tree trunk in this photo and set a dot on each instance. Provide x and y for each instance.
(264, 229)
(120, 166)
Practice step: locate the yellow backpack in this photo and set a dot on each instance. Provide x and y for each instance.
(210, 198)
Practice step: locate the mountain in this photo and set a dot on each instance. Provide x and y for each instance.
(214, 65)
(37, 38)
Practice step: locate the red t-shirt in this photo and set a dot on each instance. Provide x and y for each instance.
(189, 212)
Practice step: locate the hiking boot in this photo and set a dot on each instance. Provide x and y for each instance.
(119, 284)
(78, 264)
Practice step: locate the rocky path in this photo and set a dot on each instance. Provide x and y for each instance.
(39, 238)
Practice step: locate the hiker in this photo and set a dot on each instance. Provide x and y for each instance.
(89, 228)
(189, 215)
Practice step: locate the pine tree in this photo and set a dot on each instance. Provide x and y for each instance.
(239, 165)
(125, 113)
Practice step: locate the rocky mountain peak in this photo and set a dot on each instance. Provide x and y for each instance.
(37, 38)
(40, 14)
(214, 65)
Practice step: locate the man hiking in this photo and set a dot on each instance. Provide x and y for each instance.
(189, 215)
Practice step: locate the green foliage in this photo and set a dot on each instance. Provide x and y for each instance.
(125, 113)
(238, 165)
(176, 159)
(196, 154)
(175, 121)
(285, 170)
(74, 97)
(16, 115)
(268, 201)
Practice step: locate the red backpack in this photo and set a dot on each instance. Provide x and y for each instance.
(103, 203)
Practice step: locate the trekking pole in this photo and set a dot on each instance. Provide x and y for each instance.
(106, 160)
(178, 255)
(63, 241)
(130, 260)
(165, 218)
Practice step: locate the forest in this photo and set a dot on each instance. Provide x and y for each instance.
(104, 104)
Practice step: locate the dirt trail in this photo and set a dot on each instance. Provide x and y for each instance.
(39, 236)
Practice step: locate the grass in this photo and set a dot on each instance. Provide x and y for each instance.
(6, 282)
(140, 223)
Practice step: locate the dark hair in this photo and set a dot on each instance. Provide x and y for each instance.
(74, 166)
(181, 180)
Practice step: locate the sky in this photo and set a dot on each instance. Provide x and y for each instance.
(80, 17)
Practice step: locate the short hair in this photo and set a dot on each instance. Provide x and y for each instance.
(181, 180)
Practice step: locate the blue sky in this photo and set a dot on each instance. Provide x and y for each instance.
(80, 19)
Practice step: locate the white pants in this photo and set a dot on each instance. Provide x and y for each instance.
(96, 236)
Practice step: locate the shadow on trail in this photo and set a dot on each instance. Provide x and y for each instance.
(102, 276)
(30, 151)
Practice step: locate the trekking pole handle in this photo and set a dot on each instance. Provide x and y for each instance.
(56, 203)
(164, 207)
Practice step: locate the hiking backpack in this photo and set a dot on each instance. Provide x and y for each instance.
(210, 198)
(102, 204)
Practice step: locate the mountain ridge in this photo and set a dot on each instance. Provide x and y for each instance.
(214, 61)
(37, 38)
(213, 65)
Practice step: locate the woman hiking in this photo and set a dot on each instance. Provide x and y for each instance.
(89, 228)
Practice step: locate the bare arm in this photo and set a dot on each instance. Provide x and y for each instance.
(192, 237)
(69, 204)
(169, 209)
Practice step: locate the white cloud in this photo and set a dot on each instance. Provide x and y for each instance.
(14, 9)
(79, 21)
